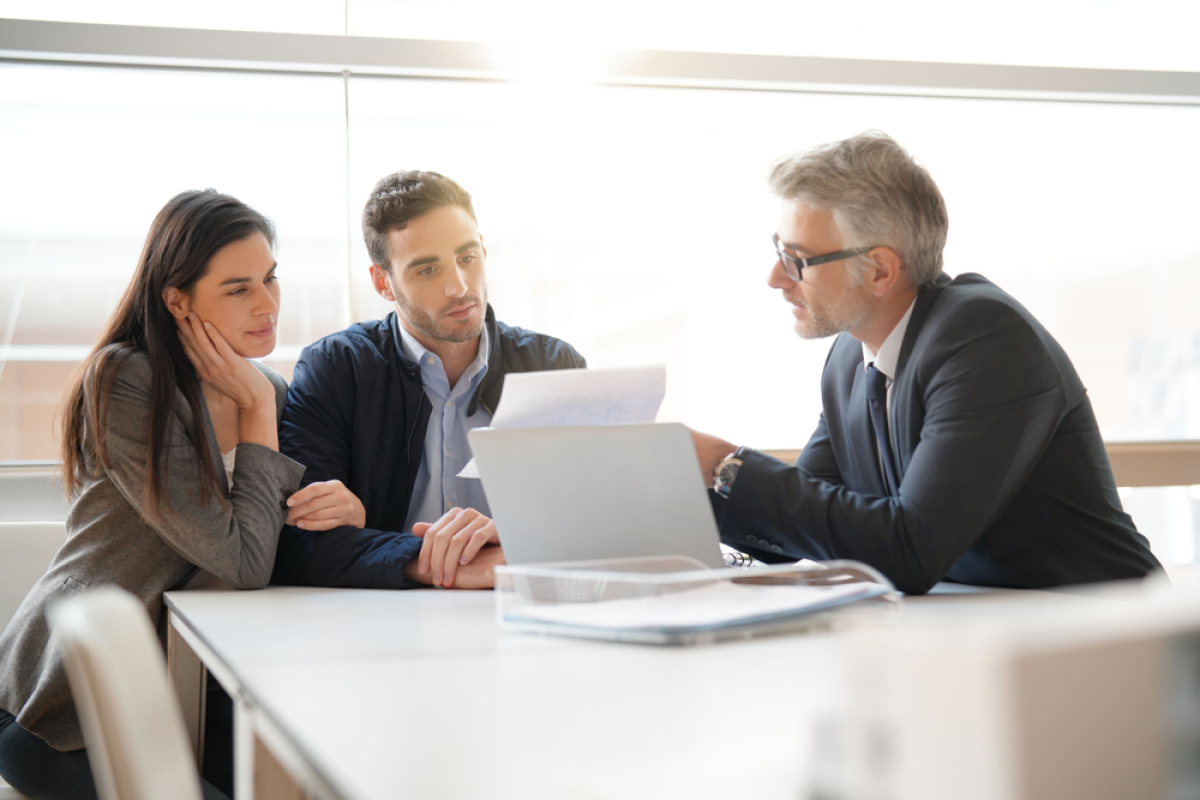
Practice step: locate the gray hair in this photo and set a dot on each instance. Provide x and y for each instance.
(878, 195)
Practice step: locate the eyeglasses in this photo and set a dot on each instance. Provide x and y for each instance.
(794, 266)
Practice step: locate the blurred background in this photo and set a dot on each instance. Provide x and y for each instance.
(622, 211)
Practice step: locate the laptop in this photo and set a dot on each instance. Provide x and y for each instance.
(597, 491)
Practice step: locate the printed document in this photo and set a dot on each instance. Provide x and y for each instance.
(554, 398)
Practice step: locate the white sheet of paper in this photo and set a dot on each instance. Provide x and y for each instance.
(554, 398)
(581, 397)
(712, 606)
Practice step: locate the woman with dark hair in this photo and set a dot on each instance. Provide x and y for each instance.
(171, 455)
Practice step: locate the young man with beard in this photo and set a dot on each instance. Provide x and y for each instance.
(384, 407)
(956, 442)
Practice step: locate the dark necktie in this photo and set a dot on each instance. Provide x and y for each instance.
(877, 401)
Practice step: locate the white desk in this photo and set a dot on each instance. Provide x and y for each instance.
(365, 695)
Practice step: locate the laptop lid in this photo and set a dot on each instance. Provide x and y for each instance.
(600, 491)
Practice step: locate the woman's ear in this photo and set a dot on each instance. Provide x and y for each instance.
(177, 302)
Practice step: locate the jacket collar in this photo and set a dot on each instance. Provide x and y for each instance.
(927, 295)
(488, 392)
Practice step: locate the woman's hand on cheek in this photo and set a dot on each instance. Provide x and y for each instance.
(220, 367)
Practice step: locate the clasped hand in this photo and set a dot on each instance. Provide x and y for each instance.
(458, 551)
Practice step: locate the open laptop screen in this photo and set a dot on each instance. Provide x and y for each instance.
(604, 491)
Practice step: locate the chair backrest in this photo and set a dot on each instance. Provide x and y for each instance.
(26, 549)
(9, 793)
(32, 491)
(134, 730)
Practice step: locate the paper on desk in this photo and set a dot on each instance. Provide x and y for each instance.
(709, 607)
(554, 398)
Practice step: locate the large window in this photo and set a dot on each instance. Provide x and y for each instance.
(635, 222)
(89, 155)
(632, 221)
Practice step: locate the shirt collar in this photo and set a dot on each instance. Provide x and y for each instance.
(889, 352)
(412, 348)
(417, 351)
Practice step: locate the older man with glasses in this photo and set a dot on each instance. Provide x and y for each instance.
(956, 441)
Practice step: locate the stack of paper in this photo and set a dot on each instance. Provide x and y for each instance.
(716, 606)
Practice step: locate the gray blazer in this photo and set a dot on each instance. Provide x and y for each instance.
(233, 536)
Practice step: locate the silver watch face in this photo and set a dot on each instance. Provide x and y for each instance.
(726, 474)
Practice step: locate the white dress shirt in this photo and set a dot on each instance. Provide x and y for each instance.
(886, 361)
(888, 356)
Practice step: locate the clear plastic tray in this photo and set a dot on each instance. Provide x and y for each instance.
(678, 600)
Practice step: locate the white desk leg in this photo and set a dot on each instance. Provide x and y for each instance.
(257, 774)
(243, 749)
(189, 678)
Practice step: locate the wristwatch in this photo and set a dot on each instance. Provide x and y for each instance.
(726, 473)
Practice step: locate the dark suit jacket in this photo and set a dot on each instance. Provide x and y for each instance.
(1004, 480)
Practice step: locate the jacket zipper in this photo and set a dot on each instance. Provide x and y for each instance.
(395, 523)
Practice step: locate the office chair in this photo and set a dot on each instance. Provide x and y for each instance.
(26, 550)
(133, 728)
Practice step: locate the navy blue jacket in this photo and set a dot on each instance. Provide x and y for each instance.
(357, 412)
(1004, 480)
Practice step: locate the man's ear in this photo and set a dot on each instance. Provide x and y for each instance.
(483, 246)
(382, 283)
(177, 303)
(886, 270)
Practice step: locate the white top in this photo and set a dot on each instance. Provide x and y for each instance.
(229, 459)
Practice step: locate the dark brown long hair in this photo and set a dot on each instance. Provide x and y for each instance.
(183, 238)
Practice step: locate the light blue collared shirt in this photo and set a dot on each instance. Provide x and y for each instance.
(446, 452)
